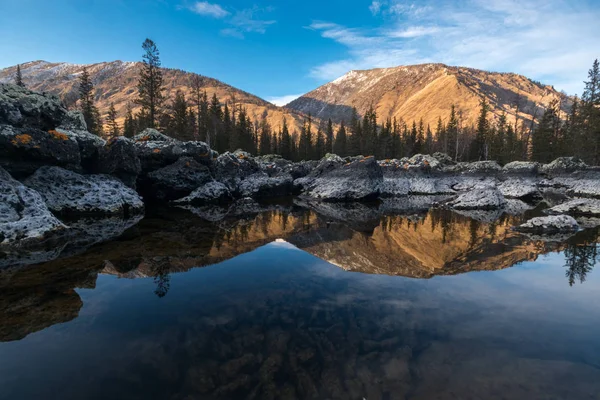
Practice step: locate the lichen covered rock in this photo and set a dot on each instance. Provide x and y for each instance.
(119, 157)
(516, 188)
(176, 180)
(24, 217)
(261, 185)
(551, 224)
(211, 193)
(69, 192)
(479, 199)
(21, 107)
(577, 207)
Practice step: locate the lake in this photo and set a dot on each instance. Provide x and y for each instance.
(326, 302)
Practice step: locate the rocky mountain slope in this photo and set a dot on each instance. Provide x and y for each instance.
(428, 91)
(116, 82)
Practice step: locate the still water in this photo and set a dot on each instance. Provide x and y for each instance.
(291, 302)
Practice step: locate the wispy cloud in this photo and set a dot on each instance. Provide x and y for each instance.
(239, 21)
(554, 41)
(283, 100)
(208, 9)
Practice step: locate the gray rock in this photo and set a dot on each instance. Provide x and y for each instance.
(551, 224)
(577, 207)
(518, 188)
(176, 180)
(89, 146)
(564, 165)
(479, 199)
(261, 185)
(24, 150)
(358, 180)
(211, 193)
(21, 107)
(521, 168)
(69, 192)
(119, 157)
(73, 121)
(232, 168)
(477, 167)
(24, 216)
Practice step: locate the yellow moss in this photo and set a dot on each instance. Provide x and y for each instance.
(58, 135)
(22, 139)
(156, 151)
(368, 157)
(242, 157)
(145, 138)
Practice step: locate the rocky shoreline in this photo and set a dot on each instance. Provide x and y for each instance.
(51, 166)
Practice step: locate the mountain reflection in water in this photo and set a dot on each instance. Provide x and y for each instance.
(270, 321)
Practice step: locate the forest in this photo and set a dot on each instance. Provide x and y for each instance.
(228, 127)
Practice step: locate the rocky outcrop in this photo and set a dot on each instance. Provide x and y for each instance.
(521, 168)
(176, 180)
(20, 107)
(232, 168)
(519, 188)
(577, 207)
(69, 192)
(24, 216)
(354, 181)
(156, 150)
(261, 185)
(563, 165)
(479, 199)
(118, 157)
(211, 193)
(549, 225)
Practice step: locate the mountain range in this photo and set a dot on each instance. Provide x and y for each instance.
(411, 93)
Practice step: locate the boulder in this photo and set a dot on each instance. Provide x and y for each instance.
(477, 167)
(211, 193)
(516, 188)
(176, 180)
(156, 150)
(564, 165)
(358, 180)
(69, 192)
(261, 185)
(73, 121)
(577, 207)
(24, 150)
(479, 199)
(300, 169)
(549, 225)
(89, 146)
(232, 168)
(119, 157)
(21, 107)
(24, 217)
(521, 168)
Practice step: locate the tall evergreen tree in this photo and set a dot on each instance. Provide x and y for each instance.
(354, 140)
(179, 124)
(265, 137)
(86, 102)
(150, 83)
(450, 147)
(543, 139)
(111, 122)
(285, 146)
(319, 150)
(340, 144)
(479, 146)
(19, 77)
(591, 113)
(129, 128)
(329, 137)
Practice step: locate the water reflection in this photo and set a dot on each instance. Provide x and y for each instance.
(270, 321)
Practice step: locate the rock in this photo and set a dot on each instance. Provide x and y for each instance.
(24, 217)
(485, 216)
(515, 188)
(119, 157)
(232, 168)
(577, 207)
(300, 169)
(69, 192)
(521, 168)
(24, 150)
(517, 207)
(551, 224)
(261, 185)
(479, 199)
(211, 193)
(73, 121)
(156, 150)
(444, 159)
(21, 107)
(564, 165)
(358, 180)
(176, 180)
(89, 146)
(425, 161)
(477, 167)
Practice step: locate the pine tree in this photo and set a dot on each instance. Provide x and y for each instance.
(340, 144)
(129, 128)
(319, 150)
(479, 149)
(111, 122)
(429, 140)
(179, 124)
(543, 138)
(591, 113)
(329, 137)
(86, 102)
(450, 147)
(19, 77)
(305, 143)
(150, 84)
(216, 117)
(285, 146)
(265, 137)
(353, 146)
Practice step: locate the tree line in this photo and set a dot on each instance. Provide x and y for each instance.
(228, 127)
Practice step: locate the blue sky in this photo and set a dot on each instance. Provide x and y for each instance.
(278, 49)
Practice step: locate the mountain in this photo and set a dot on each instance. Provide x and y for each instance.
(428, 91)
(116, 82)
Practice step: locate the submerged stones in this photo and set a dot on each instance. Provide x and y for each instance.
(211, 193)
(549, 225)
(69, 192)
(479, 199)
(577, 207)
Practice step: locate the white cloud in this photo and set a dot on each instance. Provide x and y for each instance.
(375, 7)
(208, 9)
(553, 41)
(283, 100)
